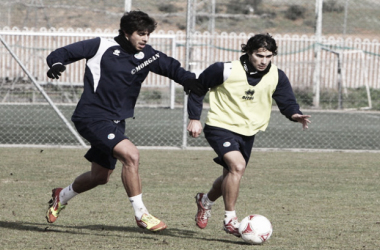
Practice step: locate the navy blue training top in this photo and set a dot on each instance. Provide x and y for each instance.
(113, 77)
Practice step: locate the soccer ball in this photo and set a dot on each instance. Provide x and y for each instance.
(255, 229)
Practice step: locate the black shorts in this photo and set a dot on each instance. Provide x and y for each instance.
(224, 141)
(103, 136)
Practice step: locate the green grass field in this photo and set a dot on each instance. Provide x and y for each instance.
(314, 201)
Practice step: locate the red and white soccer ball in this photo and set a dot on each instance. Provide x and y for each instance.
(255, 229)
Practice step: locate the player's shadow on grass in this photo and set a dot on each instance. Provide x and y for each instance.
(103, 230)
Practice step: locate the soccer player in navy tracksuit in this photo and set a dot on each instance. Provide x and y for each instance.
(241, 95)
(115, 70)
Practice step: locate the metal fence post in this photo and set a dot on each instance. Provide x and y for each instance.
(73, 131)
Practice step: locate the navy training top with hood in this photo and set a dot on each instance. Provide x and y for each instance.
(114, 74)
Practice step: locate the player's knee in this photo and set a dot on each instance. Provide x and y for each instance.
(127, 153)
(237, 168)
(130, 159)
(101, 179)
(131, 163)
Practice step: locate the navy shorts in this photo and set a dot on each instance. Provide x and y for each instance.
(224, 141)
(103, 135)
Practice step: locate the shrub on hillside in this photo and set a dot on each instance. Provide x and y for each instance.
(295, 12)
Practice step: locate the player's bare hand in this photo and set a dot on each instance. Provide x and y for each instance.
(304, 119)
(195, 128)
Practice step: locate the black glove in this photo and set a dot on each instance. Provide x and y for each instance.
(194, 86)
(55, 71)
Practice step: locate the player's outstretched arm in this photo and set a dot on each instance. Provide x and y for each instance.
(194, 86)
(195, 128)
(302, 119)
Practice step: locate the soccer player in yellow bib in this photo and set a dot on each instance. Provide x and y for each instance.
(241, 95)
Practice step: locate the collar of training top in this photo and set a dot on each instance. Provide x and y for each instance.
(125, 44)
(250, 69)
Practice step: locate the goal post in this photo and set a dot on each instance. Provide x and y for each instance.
(41, 90)
(341, 70)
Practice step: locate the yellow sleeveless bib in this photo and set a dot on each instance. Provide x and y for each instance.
(239, 107)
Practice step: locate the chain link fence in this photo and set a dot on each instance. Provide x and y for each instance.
(27, 120)
(340, 17)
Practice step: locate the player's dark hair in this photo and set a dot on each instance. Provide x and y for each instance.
(260, 41)
(136, 21)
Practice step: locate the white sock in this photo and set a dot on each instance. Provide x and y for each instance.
(67, 194)
(138, 206)
(228, 215)
(207, 203)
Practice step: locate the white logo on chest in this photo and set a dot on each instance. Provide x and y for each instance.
(145, 63)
